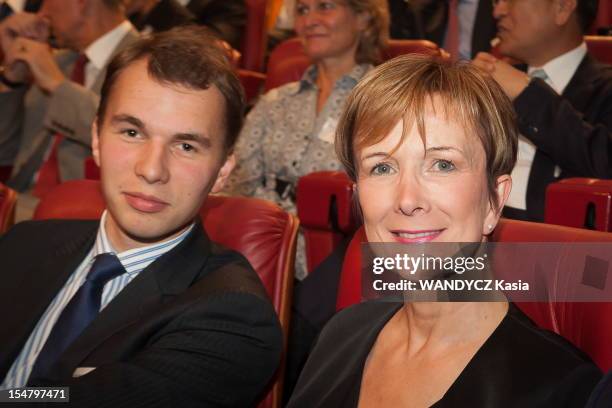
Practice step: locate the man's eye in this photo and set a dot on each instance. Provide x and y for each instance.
(187, 147)
(130, 132)
(301, 10)
(444, 165)
(381, 169)
(326, 5)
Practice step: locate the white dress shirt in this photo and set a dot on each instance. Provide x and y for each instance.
(100, 51)
(559, 72)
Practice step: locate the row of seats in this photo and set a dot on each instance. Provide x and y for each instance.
(287, 62)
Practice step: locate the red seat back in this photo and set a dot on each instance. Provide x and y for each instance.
(600, 47)
(587, 325)
(254, 39)
(265, 234)
(580, 203)
(252, 82)
(8, 198)
(326, 211)
(288, 61)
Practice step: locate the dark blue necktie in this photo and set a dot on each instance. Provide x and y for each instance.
(78, 313)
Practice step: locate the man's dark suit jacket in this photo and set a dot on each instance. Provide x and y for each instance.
(572, 131)
(195, 328)
(416, 19)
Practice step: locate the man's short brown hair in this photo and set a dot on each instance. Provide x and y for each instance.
(188, 56)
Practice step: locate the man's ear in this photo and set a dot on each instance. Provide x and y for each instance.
(504, 185)
(224, 173)
(564, 9)
(95, 141)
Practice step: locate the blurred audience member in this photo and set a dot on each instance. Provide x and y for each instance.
(462, 27)
(563, 101)
(48, 99)
(290, 131)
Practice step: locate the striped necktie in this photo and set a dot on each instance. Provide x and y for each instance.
(78, 313)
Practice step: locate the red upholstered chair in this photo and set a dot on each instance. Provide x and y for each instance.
(327, 216)
(600, 47)
(587, 325)
(8, 197)
(260, 230)
(5, 173)
(580, 203)
(252, 82)
(604, 14)
(288, 62)
(254, 39)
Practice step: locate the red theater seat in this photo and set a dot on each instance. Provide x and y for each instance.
(8, 197)
(600, 47)
(580, 203)
(587, 325)
(288, 61)
(327, 216)
(254, 39)
(260, 230)
(252, 82)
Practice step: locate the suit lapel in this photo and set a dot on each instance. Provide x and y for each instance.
(29, 298)
(581, 86)
(168, 276)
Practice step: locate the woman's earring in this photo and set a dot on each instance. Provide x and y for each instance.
(490, 227)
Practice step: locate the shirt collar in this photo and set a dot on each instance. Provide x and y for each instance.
(135, 260)
(99, 52)
(560, 70)
(348, 80)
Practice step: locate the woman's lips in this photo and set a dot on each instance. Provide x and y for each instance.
(145, 203)
(411, 237)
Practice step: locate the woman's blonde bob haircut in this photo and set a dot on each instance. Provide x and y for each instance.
(374, 38)
(403, 87)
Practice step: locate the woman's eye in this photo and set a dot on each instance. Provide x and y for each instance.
(301, 10)
(444, 165)
(326, 5)
(381, 169)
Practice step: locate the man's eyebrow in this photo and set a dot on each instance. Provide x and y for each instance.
(201, 139)
(134, 121)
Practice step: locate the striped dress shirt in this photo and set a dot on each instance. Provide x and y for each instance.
(133, 260)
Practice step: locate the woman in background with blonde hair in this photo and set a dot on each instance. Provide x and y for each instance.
(290, 131)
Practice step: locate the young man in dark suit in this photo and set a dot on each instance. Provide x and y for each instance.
(563, 101)
(140, 308)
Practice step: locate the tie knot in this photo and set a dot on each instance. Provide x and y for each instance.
(539, 73)
(105, 268)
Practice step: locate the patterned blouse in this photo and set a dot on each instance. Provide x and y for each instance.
(283, 139)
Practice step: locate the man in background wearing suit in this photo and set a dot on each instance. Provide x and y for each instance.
(48, 99)
(474, 25)
(141, 309)
(563, 101)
